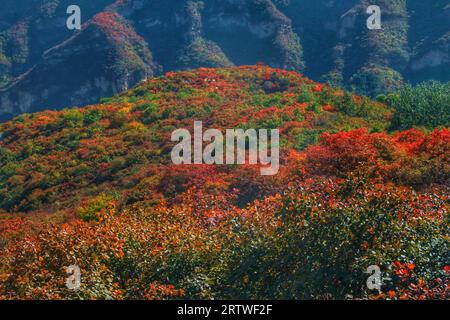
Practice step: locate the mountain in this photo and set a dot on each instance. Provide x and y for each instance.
(122, 60)
(327, 40)
(108, 145)
(52, 160)
(95, 187)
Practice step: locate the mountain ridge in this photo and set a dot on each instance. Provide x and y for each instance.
(142, 119)
(96, 187)
(326, 40)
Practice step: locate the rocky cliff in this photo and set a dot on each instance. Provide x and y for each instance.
(45, 65)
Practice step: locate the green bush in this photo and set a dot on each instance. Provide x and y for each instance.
(426, 105)
(319, 251)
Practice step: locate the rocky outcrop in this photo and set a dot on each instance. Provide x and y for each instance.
(105, 58)
(44, 65)
(34, 26)
(252, 31)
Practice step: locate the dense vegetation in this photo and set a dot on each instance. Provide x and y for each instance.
(426, 105)
(131, 40)
(95, 187)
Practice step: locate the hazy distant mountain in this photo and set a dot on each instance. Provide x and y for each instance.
(45, 65)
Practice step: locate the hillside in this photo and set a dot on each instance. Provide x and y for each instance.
(121, 60)
(327, 40)
(95, 187)
(119, 142)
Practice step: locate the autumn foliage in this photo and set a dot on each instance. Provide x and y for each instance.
(95, 187)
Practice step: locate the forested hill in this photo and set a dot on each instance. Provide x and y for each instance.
(95, 187)
(45, 65)
(50, 161)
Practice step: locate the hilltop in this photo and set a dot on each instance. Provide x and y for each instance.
(54, 160)
(42, 63)
(95, 187)
(123, 145)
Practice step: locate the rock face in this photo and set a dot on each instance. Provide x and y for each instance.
(431, 59)
(112, 56)
(45, 65)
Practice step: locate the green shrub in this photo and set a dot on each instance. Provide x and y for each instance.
(98, 208)
(426, 105)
